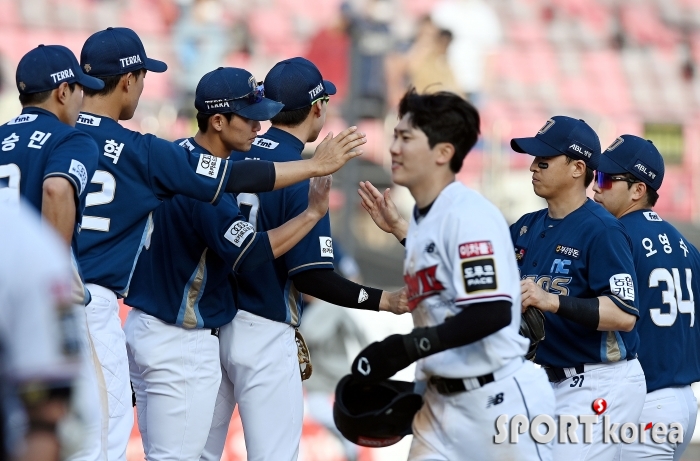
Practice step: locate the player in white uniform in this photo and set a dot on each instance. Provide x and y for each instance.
(464, 292)
(39, 359)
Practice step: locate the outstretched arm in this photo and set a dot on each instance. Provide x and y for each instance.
(381, 360)
(382, 210)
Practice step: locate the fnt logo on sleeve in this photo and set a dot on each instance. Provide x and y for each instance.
(208, 165)
(422, 285)
(651, 216)
(24, 118)
(622, 286)
(187, 145)
(85, 119)
(479, 275)
(238, 231)
(78, 170)
(568, 251)
(473, 249)
(265, 143)
(326, 247)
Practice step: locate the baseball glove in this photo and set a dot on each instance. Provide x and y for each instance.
(532, 327)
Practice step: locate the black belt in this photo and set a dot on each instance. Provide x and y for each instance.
(558, 374)
(446, 386)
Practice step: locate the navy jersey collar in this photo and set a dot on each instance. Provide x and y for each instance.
(103, 117)
(38, 110)
(284, 138)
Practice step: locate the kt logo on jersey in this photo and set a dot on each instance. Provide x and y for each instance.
(423, 284)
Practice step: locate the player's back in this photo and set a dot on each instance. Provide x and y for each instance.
(37, 145)
(135, 172)
(277, 298)
(668, 271)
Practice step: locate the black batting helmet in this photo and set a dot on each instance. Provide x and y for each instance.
(377, 414)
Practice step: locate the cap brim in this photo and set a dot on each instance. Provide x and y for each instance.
(91, 83)
(534, 147)
(261, 111)
(330, 87)
(153, 65)
(609, 166)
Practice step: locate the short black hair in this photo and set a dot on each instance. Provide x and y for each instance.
(291, 118)
(111, 82)
(33, 99)
(588, 179)
(652, 195)
(203, 120)
(443, 117)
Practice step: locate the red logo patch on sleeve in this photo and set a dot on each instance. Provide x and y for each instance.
(474, 249)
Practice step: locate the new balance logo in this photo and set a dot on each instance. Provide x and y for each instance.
(495, 400)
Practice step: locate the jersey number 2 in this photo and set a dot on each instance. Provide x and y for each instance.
(106, 195)
(249, 205)
(672, 295)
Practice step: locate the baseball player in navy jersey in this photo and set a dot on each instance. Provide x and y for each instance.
(135, 172)
(628, 178)
(259, 349)
(576, 266)
(181, 290)
(463, 291)
(44, 159)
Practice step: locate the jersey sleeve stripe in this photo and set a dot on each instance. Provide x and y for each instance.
(68, 177)
(235, 264)
(480, 299)
(221, 183)
(321, 263)
(617, 300)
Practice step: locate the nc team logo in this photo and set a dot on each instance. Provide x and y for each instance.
(549, 124)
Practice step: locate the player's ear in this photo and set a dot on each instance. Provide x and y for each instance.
(639, 191)
(579, 169)
(216, 122)
(445, 151)
(63, 93)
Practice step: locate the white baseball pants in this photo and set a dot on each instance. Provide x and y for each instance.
(261, 374)
(669, 405)
(623, 387)
(109, 342)
(462, 425)
(176, 374)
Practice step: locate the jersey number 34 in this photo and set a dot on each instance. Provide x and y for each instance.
(672, 295)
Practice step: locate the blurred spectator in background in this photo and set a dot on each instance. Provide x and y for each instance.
(371, 40)
(200, 43)
(330, 49)
(424, 66)
(477, 31)
(333, 338)
(9, 97)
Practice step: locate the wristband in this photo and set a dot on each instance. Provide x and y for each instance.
(422, 342)
(584, 311)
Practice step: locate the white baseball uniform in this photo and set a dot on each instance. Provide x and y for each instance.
(35, 311)
(460, 253)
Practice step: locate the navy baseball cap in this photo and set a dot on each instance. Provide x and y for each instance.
(562, 135)
(230, 89)
(296, 83)
(47, 66)
(635, 155)
(116, 51)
